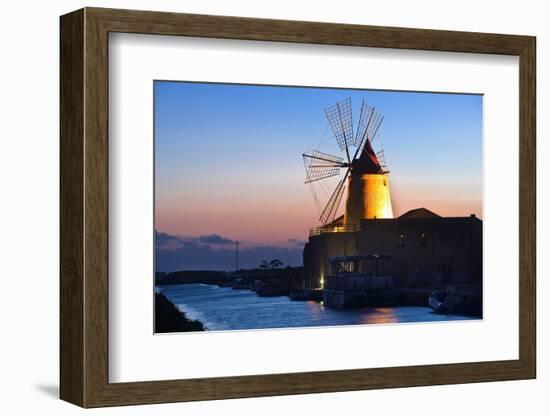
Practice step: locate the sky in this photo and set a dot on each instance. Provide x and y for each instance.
(228, 159)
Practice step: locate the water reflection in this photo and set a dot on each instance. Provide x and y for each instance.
(315, 308)
(226, 309)
(379, 316)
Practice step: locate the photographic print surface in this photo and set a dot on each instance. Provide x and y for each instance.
(286, 206)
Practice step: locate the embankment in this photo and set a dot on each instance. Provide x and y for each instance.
(169, 319)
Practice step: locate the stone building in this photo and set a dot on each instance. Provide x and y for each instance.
(429, 251)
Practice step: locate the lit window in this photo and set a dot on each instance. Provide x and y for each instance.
(401, 240)
(423, 238)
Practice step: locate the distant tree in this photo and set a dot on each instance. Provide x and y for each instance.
(275, 264)
(264, 265)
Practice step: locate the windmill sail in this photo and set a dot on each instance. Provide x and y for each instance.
(341, 123)
(382, 159)
(374, 126)
(369, 123)
(365, 119)
(333, 203)
(321, 165)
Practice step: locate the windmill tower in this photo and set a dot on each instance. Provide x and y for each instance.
(366, 175)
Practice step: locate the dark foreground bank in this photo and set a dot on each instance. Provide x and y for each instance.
(169, 319)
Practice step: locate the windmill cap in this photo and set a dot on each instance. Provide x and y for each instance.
(367, 162)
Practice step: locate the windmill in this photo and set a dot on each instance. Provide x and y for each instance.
(365, 172)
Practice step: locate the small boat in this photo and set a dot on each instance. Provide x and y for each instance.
(437, 301)
(265, 290)
(449, 302)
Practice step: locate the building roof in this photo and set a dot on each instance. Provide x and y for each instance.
(420, 213)
(367, 162)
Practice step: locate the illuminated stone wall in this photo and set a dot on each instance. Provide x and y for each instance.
(368, 197)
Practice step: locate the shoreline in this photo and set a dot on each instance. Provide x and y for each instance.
(406, 298)
(226, 310)
(168, 318)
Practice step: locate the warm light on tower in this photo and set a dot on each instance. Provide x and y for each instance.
(368, 189)
(368, 198)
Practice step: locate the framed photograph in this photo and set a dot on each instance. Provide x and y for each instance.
(255, 207)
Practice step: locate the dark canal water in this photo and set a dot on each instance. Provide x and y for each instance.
(221, 308)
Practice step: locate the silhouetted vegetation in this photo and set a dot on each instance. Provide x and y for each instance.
(272, 265)
(169, 319)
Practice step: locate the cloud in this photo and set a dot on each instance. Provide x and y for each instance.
(168, 242)
(215, 239)
(184, 253)
(297, 242)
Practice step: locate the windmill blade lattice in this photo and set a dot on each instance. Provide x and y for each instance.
(341, 123)
(321, 165)
(382, 159)
(369, 123)
(365, 118)
(372, 131)
(329, 213)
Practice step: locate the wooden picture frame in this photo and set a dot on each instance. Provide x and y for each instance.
(84, 207)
